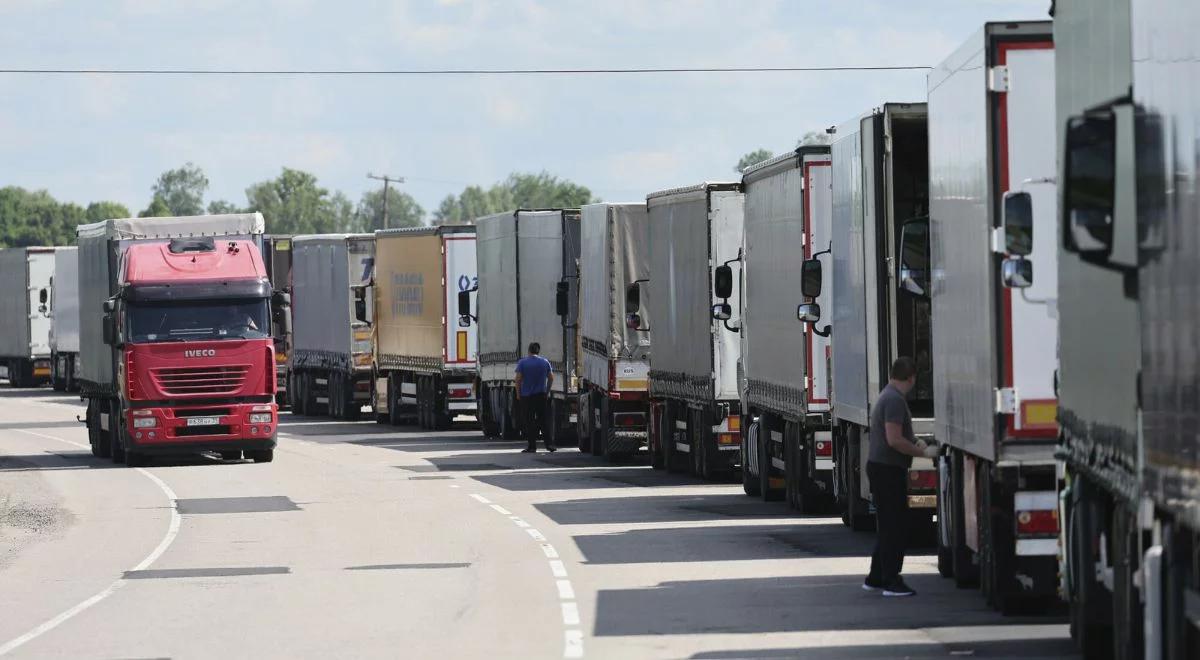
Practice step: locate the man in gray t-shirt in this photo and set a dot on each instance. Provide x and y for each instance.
(892, 448)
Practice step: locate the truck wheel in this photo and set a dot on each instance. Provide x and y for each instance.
(351, 407)
(508, 422)
(584, 422)
(69, 378)
(100, 446)
(750, 433)
(261, 455)
(604, 434)
(441, 416)
(117, 451)
(856, 514)
(134, 459)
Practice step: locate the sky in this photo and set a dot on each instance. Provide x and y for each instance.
(87, 138)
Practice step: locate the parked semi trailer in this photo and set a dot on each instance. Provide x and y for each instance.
(695, 408)
(175, 338)
(277, 256)
(1128, 315)
(24, 330)
(62, 306)
(424, 359)
(992, 168)
(614, 402)
(331, 369)
(880, 191)
(528, 292)
(787, 445)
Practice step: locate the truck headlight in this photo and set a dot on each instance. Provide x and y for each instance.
(260, 418)
(145, 422)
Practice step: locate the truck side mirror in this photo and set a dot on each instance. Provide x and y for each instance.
(1017, 273)
(633, 298)
(109, 305)
(810, 278)
(109, 329)
(808, 313)
(282, 298)
(464, 303)
(1018, 223)
(360, 304)
(723, 282)
(722, 311)
(43, 296)
(914, 257)
(1089, 182)
(561, 298)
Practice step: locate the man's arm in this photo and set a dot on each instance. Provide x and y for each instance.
(897, 441)
(517, 384)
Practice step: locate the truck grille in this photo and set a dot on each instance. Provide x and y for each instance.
(182, 381)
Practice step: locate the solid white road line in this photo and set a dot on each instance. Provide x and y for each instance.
(557, 568)
(168, 538)
(501, 510)
(565, 590)
(570, 614)
(480, 498)
(573, 643)
(550, 551)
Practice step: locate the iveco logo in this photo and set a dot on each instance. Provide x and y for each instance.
(200, 352)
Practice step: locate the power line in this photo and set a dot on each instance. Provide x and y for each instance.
(448, 72)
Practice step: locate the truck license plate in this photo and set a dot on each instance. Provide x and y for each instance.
(203, 421)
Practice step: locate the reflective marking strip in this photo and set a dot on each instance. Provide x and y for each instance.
(480, 498)
(1037, 547)
(778, 463)
(558, 568)
(502, 510)
(922, 501)
(683, 447)
(570, 614)
(321, 381)
(1035, 500)
(565, 590)
(776, 436)
(823, 436)
(823, 464)
(682, 426)
(728, 447)
(461, 406)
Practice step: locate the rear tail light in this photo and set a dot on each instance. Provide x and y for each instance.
(1037, 522)
(729, 438)
(735, 423)
(629, 419)
(824, 449)
(460, 392)
(922, 479)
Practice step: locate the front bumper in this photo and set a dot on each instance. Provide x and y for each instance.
(202, 428)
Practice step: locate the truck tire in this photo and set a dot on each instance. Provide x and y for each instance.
(117, 451)
(441, 416)
(231, 455)
(508, 420)
(676, 461)
(769, 494)
(1090, 602)
(393, 400)
(793, 483)
(351, 407)
(750, 484)
(855, 513)
(99, 444)
(57, 383)
(487, 413)
(261, 455)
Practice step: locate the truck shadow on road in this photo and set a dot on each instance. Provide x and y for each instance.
(818, 538)
(1004, 648)
(42, 394)
(790, 604)
(661, 508)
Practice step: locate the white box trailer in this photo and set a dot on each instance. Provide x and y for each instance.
(24, 326)
(330, 369)
(696, 408)
(63, 308)
(425, 360)
(615, 358)
(991, 135)
(528, 292)
(787, 443)
(880, 190)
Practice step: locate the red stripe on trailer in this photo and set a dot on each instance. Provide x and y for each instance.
(1040, 431)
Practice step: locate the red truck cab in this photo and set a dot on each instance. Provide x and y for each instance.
(196, 373)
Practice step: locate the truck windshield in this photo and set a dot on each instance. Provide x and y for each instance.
(198, 320)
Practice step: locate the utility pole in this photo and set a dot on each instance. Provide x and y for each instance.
(386, 180)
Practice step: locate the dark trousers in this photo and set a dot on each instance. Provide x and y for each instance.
(889, 490)
(534, 409)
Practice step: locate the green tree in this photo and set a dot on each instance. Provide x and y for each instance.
(98, 211)
(293, 203)
(36, 218)
(752, 158)
(158, 209)
(541, 190)
(402, 211)
(182, 189)
(222, 207)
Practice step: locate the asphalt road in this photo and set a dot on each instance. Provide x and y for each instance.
(363, 540)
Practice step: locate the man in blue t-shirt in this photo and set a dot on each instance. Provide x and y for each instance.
(533, 381)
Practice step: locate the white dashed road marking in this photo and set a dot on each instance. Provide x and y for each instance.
(572, 636)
